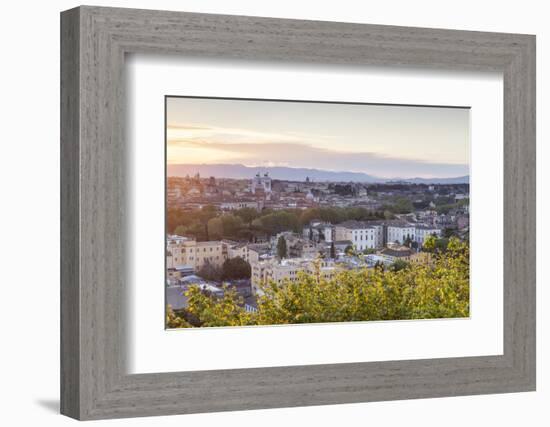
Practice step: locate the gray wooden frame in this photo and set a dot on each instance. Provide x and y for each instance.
(94, 41)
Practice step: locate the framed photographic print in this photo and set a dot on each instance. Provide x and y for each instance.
(261, 213)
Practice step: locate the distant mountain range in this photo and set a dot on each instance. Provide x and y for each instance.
(237, 171)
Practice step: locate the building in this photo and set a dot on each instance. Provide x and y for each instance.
(279, 272)
(297, 247)
(400, 233)
(262, 183)
(390, 255)
(319, 231)
(183, 251)
(241, 250)
(341, 245)
(424, 231)
(361, 234)
(186, 255)
(240, 204)
(173, 194)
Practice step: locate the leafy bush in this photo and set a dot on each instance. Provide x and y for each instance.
(439, 288)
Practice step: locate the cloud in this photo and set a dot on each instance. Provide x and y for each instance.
(308, 155)
(188, 127)
(227, 134)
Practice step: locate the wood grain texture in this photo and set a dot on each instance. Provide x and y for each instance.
(94, 240)
(70, 221)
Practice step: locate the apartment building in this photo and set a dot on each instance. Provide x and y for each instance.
(390, 255)
(241, 250)
(289, 270)
(362, 235)
(184, 251)
(424, 231)
(400, 233)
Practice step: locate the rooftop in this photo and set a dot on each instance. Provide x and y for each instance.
(396, 252)
(352, 224)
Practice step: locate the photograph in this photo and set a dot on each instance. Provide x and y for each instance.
(284, 212)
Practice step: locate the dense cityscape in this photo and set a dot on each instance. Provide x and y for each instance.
(235, 244)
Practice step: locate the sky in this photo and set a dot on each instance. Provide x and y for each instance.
(381, 140)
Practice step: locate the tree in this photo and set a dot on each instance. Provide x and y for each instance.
(236, 268)
(379, 266)
(349, 250)
(429, 243)
(195, 230)
(388, 215)
(402, 205)
(215, 228)
(247, 214)
(399, 265)
(174, 320)
(209, 271)
(180, 230)
(282, 251)
(332, 250)
(211, 311)
(232, 226)
(432, 290)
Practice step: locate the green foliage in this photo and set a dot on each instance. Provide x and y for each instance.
(247, 223)
(211, 311)
(215, 228)
(444, 206)
(436, 289)
(332, 250)
(349, 250)
(400, 205)
(210, 272)
(278, 221)
(388, 214)
(196, 230)
(175, 321)
(449, 232)
(236, 268)
(282, 251)
(429, 243)
(399, 265)
(247, 214)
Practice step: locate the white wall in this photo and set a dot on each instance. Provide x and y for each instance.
(29, 168)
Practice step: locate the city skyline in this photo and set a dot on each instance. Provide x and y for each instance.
(382, 140)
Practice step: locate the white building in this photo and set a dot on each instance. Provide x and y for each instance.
(362, 235)
(231, 206)
(424, 231)
(319, 231)
(400, 232)
(262, 183)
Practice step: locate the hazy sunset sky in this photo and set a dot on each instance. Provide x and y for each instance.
(385, 141)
